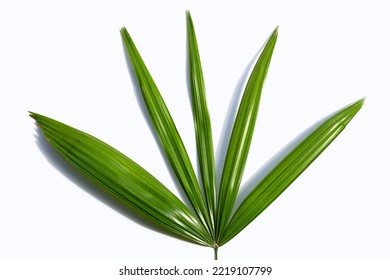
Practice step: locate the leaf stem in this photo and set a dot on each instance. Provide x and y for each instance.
(215, 252)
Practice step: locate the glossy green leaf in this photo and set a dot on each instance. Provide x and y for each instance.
(214, 223)
(124, 179)
(204, 141)
(166, 130)
(241, 135)
(288, 169)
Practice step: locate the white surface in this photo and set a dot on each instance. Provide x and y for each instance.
(111, 269)
(66, 61)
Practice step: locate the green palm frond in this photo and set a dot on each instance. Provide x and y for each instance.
(288, 169)
(167, 132)
(124, 179)
(204, 139)
(241, 136)
(210, 219)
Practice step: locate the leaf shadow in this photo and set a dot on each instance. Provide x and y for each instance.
(87, 185)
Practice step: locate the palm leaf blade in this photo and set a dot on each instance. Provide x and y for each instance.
(241, 135)
(167, 133)
(288, 169)
(202, 123)
(123, 179)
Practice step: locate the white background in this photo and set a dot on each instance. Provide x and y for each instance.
(66, 60)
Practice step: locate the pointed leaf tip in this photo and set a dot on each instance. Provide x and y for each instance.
(359, 103)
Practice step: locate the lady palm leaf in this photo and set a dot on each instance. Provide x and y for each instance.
(241, 136)
(124, 179)
(213, 222)
(167, 132)
(288, 169)
(204, 141)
